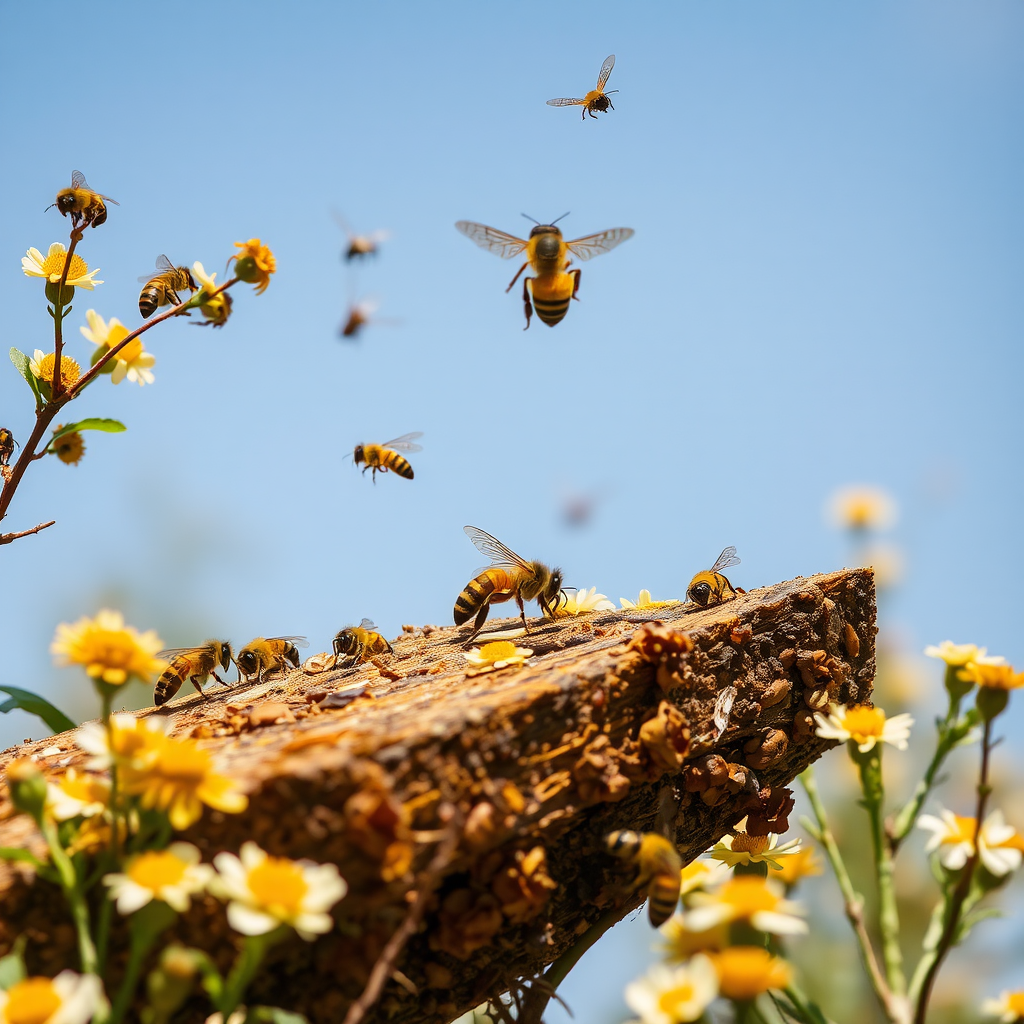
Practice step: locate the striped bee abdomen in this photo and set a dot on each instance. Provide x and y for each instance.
(551, 311)
(479, 591)
(397, 464)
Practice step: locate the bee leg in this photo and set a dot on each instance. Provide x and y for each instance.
(527, 307)
(576, 287)
(516, 278)
(522, 612)
(478, 622)
(219, 680)
(194, 680)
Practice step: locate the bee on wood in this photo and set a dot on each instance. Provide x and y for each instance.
(360, 643)
(548, 253)
(710, 588)
(383, 457)
(262, 656)
(595, 100)
(191, 664)
(83, 204)
(658, 866)
(507, 577)
(161, 289)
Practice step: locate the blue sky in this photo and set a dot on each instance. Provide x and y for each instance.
(823, 288)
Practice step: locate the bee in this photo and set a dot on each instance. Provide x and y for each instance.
(162, 288)
(262, 656)
(360, 643)
(382, 457)
(658, 867)
(549, 254)
(597, 98)
(507, 577)
(710, 588)
(84, 205)
(359, 315)
(360, 246)
(7, 444)
(194, 664)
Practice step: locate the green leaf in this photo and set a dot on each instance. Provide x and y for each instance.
(273, 1015)
(55, 719)
(21, 362)
(12, 966)
(93, 423)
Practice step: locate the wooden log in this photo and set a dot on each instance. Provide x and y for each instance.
(701, 717)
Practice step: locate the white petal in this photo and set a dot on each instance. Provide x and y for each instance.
(778, 924)
(249, 921)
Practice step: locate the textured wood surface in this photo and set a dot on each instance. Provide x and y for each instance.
(613, 721)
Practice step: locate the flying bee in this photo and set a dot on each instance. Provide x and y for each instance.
(262, 656)
(162, 287)
(360, 643)
(191, 664)
(360, 246)
(382, 457)
(710, 588)
(658, 867)
(597, 98)
(85, 206)
(507, 577)
(359, 315)
(549, 254)
(7, 444)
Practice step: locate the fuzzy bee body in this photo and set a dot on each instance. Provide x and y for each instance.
(262, 656)
(380, 458)
(191, 664)
(360, 643)
(711, 588)
(597, 99)
(658, 867)
(7, 444)
(85, 206)
(161, 289)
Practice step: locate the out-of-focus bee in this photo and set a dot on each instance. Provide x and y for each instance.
(360, 246)
(191, 664)
(85, 206)
(7, 444)
(162, 288)
(359, 315)
(710, 588)
(548, 253)
(658, 867)
(262, 656)
(507, 577)
(360, 643)
(596, 99)
(382, 457)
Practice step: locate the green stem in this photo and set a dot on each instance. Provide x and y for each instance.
(147, 925)
(244, 970)
(69, 883)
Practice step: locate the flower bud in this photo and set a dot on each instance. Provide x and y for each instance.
(53, 290)
(27, 786)
(246, 270)
(991, 701)
(170, 983)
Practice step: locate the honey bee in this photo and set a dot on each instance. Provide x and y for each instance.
(658, 867)
(710, 588)
(162, 288)
(597, 98)
(192, 664)
(85, 206)
(359, 315)
(262, 656)
(507, 577)
(360, 246)
(548, 253)
(360, 643)
(382, 457)
(7, 444)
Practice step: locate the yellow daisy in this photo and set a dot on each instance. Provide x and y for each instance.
(51, 266)
(671, 995)
(760, 901)
(133, 361)
(67, 999)
(644, 601)
(254, 264)
(42, 365)
(745, 972)
(173, 875)
(499, 654)
(109, 650)
(861, 507)
(865, 726)
(1009, 1007)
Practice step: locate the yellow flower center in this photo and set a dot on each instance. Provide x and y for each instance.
(499, 650)
(32, 1001)
(70, 371)
(278, 882)
(130, 352)
(744, 972)
(747, 895)
(70, 448)
(1015, 1003)
(183, 762)
(86, 788)
(110, 655)
(862, 723)
(743, 843)
(963, 831)
(155, 869)
(53, 266)
(677, 1002)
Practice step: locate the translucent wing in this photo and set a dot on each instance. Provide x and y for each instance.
(404, 443)
(491, 239)
(565, 102)
(163, 265)
(367, 624)
(172, 652)
(298, 641)
(725, 560)
(589, 246)
(78, 180)
(494, 549)
(606, 70)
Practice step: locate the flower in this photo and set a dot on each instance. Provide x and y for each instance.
(955, 655)
(67, 999)
(999, 845)
(580, 601)
(110, 651)
(51, 266)
(42, 366)
(864, 725)
(862, 507)
(173, 875)
(741, 848)
(266, 891)
(702, 874)
(747, 898)
(680, 943)
(670, 995)
(217, 309)
(803, 864)
(993, 674)
(745, 972)
(499, 654)
(254, 264)
(131, 742)
(179, 778)
(133, 361)
(77, 795)
(1009, 1007)
(644, 601)
(69, 448)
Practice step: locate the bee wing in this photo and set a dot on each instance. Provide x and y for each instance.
(343, 224)
(173, 652)
(494, 549)
(380, 236)
(589, 246)
(725, 559)
(565, 101)
(298, 641)
(606, 70)
(501, 244)
(367, 624)
(404, 443)
(78, 180)
(163, 265)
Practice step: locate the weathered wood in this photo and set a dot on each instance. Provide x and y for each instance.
(612, 722)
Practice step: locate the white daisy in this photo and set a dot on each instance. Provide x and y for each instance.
(671, 995)
(173, 875)
(67, 999)
(51, 266)
(865, 726)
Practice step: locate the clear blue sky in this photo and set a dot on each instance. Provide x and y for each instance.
(824, 288)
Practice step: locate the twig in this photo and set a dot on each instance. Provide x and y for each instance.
(428, 882)
(6, 538)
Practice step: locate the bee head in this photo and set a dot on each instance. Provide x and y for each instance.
(225, 655)
(700, 593)
(342, 642)
(357, 455)
(247, 662)
(190, 279)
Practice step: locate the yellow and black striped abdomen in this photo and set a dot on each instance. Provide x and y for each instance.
(152, 296)
(551, 298)
(396, 463)
(491, 585)
(171, 679)
(662, 897)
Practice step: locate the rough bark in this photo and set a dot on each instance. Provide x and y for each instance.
(616, 722)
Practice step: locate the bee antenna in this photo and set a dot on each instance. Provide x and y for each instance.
(50, 207)
(564, 215)
(526, 215)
